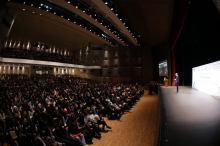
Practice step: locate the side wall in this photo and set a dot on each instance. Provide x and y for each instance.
(160, 53)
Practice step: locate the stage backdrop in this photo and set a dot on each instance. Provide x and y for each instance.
(206, 78)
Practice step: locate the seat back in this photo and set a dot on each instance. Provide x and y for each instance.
(13, 134)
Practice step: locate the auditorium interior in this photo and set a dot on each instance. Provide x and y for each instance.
(92, 72)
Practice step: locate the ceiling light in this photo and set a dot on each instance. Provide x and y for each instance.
(47, 10)
(116, 14)
(90, 30)
(77, 7)
(101, 23)
(54, 12)
(39, 7)
(111, 8)
(62, 16)
(68, 19)
(31, 4)
(74, 21)
(33, 12)
(83, 11)
(23, 9)
(68, 1)
(106, 3)
(24, 2)
(40, 14)
(120, 19)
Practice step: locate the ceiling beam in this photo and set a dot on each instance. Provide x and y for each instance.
(117, 21)
(59, 19)
(85, 16)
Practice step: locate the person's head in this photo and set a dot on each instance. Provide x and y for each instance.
(176, 74)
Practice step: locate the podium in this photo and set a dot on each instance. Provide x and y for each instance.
(166, 82)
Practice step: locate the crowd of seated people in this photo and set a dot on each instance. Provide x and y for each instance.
(48, 110)
(36, 55)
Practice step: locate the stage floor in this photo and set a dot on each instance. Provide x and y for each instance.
(193, 117)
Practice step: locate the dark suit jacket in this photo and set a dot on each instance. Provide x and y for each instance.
(177, 80)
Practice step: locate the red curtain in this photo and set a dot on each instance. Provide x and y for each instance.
(179, 15)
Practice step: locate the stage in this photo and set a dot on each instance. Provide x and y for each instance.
(193, 117)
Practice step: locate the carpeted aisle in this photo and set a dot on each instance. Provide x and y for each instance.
(139, 127)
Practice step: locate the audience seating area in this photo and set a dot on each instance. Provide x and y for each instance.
(36, 55)
(48, 110)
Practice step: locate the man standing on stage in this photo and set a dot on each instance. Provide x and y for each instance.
(177, 82)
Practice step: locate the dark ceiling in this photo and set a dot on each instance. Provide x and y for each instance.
(150, 20)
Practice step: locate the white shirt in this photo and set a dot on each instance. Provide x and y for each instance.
(95, 118)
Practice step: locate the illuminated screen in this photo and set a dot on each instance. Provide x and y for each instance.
(163, 71)
(206, 78)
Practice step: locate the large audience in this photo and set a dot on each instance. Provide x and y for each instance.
(36, 55)
(49, 110)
